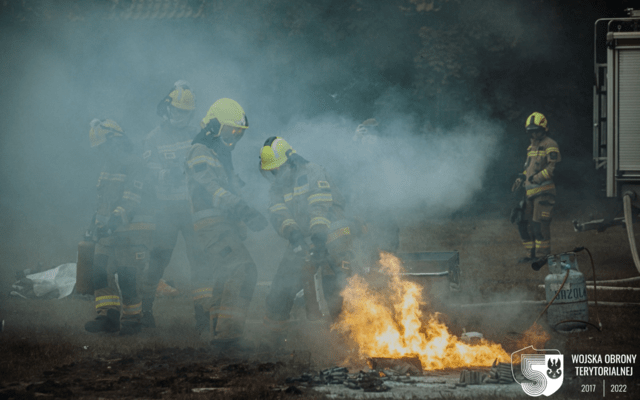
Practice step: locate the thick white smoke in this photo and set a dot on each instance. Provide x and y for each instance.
(399, 171)
(58, 76)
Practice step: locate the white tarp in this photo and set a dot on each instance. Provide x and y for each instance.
(62, 277)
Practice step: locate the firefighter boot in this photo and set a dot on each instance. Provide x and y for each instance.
(542, 233)
(147, 321)
(530, 258)
(108, 322)
(165, 290)
(538, 262)
(107, 306)
(132, 303)
(131, 323)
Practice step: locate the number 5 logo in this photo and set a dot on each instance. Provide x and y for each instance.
(543, 373)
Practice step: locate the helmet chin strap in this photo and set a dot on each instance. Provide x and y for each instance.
(223, 138)
(231, 146)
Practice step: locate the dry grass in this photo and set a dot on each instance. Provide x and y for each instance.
(44, 338)
(23, 359)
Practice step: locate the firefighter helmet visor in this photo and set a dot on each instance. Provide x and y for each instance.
(230, 135)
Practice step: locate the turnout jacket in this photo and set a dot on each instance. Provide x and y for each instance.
(542, 157)
(124, 190)
(214, 189)
(165, 149)
(304, 199)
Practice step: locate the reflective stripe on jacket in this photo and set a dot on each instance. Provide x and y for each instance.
(306, 200)
(124, 188)
(542, 157)
(165, 150)
(210, 186)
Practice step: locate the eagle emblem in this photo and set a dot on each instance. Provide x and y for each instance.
(554, 370)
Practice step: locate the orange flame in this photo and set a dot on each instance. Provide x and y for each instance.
(389, 323)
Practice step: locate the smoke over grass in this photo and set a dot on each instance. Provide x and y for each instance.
(307, 71)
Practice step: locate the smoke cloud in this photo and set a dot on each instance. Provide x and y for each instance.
(59, 74)
(434, 173)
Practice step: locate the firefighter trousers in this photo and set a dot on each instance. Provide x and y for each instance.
(224, 289)
(125, 253)
(535, 227)
(288, 281)
(173, 218)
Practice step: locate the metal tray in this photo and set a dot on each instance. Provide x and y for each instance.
(432, 264)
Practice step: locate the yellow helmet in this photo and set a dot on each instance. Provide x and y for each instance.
(101, 130)
(535, 121)
(225, 120)
(274, 153)
(181, 96)
(227, 112)
(177, 107)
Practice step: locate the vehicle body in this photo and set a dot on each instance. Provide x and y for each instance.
(616, 118)
(616, 103)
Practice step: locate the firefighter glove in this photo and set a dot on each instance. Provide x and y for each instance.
(319, 241)
(251, 217)
(530, 180)
(516, 185)
(297, 241)
(115, 221)
(101, 231)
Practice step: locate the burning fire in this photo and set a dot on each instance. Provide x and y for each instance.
(389, 323)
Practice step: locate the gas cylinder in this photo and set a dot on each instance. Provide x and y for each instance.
(571, 303)
(84, 267)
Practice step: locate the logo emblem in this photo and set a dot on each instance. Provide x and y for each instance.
(543, 373)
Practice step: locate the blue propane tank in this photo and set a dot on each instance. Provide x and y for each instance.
(571, 303)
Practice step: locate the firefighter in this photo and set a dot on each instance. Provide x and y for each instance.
(165, 149)
(123, 226)
(539, 169)
(306, 209)
(224, 290)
